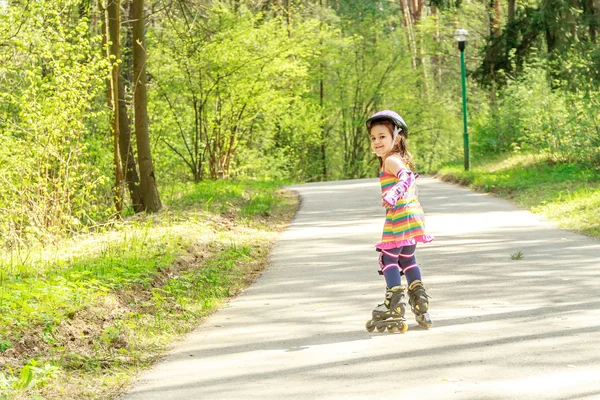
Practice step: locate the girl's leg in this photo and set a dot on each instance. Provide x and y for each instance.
(418, 298)
(390, 314)
(388, 262)
(408, 264)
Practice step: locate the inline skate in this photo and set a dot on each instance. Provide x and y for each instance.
(419, 303)
(390, 314)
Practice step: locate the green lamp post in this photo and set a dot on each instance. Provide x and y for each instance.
(461, 36)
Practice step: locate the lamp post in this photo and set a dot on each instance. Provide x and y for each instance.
(461, 36)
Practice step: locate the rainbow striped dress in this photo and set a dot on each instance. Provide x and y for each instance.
(405, 222)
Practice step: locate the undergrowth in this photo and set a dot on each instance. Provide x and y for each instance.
(78, 319)
(568, 194)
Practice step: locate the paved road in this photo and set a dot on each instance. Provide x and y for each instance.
(504, 329)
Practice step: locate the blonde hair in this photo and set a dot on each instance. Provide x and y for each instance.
(400, 146)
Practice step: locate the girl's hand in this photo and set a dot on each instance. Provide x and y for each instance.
(385, 204)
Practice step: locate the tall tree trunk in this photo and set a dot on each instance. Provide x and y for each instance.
(493, 33)
(422, 63)
(591, 14)
(572, 14)
(104, 28)
(288, 17)
(596, 4)
(113, 16)
(496, 24)
(511, 31)
(419, 10)
(127, 155)
(511, 10)
(403, 12)
(321, 104)
(437, 65)
(148, 179)
(408, 8)
(323, 132)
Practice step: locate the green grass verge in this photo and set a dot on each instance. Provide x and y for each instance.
(568, 194)
(79, 319)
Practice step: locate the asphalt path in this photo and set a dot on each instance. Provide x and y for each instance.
(503, 328)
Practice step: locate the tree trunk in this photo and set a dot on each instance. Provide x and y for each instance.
(150, 195)
(321, 104)
(496, 27)
(437, 65)
(419, 10)
(592, 14)
(104, 44)
(511, 11)
(410, 25)
(113, 9)
(323, 132)
(511, 31)
(596, 4)
(127, 157)
(403, 11)
(288, 17)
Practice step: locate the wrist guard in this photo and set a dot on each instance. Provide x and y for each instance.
(398, 191)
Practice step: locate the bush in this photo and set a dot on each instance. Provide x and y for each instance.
(532, 116)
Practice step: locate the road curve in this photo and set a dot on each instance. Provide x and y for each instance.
(503, 328)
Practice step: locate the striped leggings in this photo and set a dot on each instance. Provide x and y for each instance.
(399, 261)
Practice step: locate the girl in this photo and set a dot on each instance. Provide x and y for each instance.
(404, 225)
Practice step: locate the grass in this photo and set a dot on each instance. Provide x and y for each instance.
(568, 194)
(80, 319)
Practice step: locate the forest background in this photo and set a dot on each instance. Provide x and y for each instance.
(271, 90)
(143, 145)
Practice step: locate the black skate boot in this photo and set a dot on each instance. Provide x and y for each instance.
(390, 314)
(419, 303)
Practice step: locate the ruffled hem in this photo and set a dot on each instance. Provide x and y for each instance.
(406, 242)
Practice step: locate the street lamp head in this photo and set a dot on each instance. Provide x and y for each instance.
(461, 35)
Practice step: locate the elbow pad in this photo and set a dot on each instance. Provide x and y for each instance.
(405, 179)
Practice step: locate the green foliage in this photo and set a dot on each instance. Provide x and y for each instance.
(30, 376)
(249, 197)
(249, 90)
(223, 83)
(110, 335)
(5, 344)
(531, 116)
(42, 291)
(51, 76)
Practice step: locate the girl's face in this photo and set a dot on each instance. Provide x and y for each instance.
(381, 140)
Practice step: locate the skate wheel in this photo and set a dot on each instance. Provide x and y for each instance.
(401, 328)
(370, 325)
(424, 320)
(381, 328)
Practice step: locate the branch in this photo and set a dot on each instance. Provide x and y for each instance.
(189, 164)
(181, 131)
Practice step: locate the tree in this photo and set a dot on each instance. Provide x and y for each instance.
(127, 155)
(227, 84)
(121, 125)
(149, 188)
(113, 16)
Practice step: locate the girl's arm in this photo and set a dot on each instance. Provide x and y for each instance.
(405, 178)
